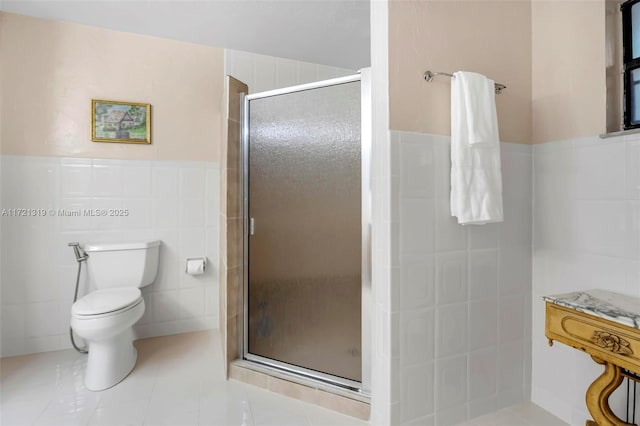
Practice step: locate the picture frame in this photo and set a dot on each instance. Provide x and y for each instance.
(120, 122)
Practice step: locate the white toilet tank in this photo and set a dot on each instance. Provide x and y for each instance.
(123, 264)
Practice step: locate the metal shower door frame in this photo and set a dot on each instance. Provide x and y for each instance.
(363, 387)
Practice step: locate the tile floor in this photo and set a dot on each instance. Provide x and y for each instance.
(527, 414)
(178, 381)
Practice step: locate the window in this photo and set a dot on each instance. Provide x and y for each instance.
(631, 62)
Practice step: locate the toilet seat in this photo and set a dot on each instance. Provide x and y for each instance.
(107, 302)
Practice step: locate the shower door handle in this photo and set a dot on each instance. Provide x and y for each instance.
(252, 226)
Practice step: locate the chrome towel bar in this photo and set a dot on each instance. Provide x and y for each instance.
(430, 75)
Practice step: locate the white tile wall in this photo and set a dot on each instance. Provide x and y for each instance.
(176, 202)
(462, 291)
(262, 73)
(586, 233)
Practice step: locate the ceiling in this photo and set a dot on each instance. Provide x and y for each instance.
(330, 32)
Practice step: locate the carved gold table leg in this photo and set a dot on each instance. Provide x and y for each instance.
(598, 396)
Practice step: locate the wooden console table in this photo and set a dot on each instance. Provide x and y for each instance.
(605, 325)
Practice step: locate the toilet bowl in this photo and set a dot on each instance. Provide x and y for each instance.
(104, 318)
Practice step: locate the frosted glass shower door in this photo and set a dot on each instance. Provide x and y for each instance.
(304, 282)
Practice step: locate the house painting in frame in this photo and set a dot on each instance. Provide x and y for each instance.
(122, 122)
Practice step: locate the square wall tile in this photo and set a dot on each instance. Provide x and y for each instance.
(598, 171)
(633, 170)
(15, 294)
(265, 78)
(451, 278)
(416, 225)
(307, 72)
(512, 397)
(239, 64)
(325, 72)
(514, 271)
(42, 319)
(483, 323)
(511, 365)
(450, 236)
(39, 285)
(417, 391)
(106, 180)
(633, 225)
(192, 212)
(212, 247)
(553, 221)
(169, 263)
(39, 187)
(483, 373)
(74, 218)
(138, 213)
(416, 281)
(165, 182)
(211, 301)
(109, 217)
(41, 344)
(451, 382)
(416, 336)
(517, 168)
(136, 181)
(165, 213)
(483, 274)
(417, 170)
(192, 182)
(285, 73)
(451, 416)
(166, 306)
(212, 212)
(511, 323)
(212, 183)
(442, 155)
(601, 227)
(481, 406)
(12, 322)
(515, 231)
(633, 278)
(451, 329)
(483, 236)
(191, 303)
(75, 179)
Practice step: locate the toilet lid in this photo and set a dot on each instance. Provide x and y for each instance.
(105, 301)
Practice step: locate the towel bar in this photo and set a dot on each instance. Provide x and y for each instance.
(430, 75)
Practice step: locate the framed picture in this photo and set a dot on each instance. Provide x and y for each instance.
(123, 122)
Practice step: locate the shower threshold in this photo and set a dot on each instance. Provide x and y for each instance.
(305, 377)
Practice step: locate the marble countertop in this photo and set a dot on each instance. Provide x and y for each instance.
(612, 306)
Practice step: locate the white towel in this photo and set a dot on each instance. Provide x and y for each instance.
(476, 177)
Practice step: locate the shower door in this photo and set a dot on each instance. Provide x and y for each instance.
(303, 230)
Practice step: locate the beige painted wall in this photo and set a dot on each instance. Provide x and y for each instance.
(489, 37)
(51, 71)
(568, 69)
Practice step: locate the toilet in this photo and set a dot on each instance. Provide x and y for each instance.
(104, 318)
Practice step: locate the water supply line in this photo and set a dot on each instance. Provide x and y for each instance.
(81, 256)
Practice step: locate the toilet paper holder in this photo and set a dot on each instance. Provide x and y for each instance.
(195, 265)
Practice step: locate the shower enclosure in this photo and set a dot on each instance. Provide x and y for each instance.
(306, 232)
